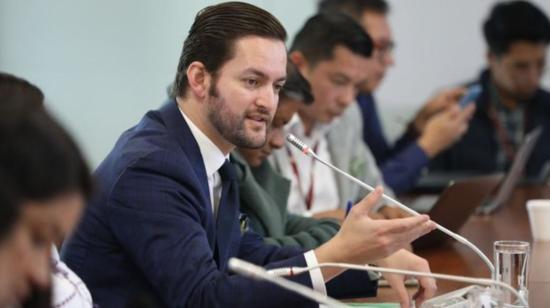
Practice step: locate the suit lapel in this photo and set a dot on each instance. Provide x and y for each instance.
(179, 130)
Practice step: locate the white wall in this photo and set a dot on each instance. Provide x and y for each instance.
(439, 44)
(102, 64)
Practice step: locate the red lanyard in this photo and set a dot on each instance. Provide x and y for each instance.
(308, 198)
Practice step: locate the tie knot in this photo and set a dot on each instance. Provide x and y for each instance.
(227, 171)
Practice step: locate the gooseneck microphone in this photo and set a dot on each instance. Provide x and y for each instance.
(308, 151)
(293, 271)
(255, 272)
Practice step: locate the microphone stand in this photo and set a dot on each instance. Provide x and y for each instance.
(274, 275)
(308, 151)
(259, 273)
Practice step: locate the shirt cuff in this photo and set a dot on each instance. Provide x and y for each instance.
(317, 280)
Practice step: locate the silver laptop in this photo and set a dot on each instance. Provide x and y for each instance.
(425, 202)
(514, 174)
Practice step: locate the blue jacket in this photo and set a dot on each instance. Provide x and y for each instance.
(477, 150)
(401, 164)
(150, 231)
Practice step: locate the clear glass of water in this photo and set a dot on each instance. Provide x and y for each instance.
(512, 267)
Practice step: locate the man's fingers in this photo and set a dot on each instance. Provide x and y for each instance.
(406, 233)
(397, 283)
(364, 206)
(456, 93)
(450, 96)
(426, 290)
(401, 225)
(468, 112)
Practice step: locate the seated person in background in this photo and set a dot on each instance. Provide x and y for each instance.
(512, 102)
(165, 221)
(331, 52)
(439, 123)
(264, 193)
(48, 180)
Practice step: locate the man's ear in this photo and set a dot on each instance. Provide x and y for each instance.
(199, 79)
(298, 58)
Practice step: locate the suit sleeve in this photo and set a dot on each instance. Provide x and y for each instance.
(156, 213)
(401, 163)
(402, 170)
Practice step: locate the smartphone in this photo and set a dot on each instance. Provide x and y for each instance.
(471, 96)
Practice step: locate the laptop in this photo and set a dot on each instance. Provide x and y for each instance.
(435, 182)
(514, 174)
(455, 205)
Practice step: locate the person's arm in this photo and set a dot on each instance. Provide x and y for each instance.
(372, 131)
(440, 132)
(401, 171)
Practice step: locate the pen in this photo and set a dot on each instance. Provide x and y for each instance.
(348, 207)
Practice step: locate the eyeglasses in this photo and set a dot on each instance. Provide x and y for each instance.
(383, 50)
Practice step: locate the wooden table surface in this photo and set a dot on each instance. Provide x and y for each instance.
(508, 223)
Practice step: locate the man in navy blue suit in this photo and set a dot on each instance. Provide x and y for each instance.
(165, 220)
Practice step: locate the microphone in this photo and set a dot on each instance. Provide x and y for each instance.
(308, 151)
(292, 271)
(250, 270)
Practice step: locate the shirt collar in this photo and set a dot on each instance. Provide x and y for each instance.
(296, 127)
(212, 156)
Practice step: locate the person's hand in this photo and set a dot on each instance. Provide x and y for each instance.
(445, 128)
(436, 104)
(363, 240)
(391, 212)
(406, 260)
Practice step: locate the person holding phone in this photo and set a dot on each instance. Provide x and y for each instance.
(511, 102)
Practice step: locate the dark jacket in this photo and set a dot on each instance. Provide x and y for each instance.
(264, 195)
(477, 150)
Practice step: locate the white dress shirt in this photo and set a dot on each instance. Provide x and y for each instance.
(213, 159)
(68, 290)
(325, 191)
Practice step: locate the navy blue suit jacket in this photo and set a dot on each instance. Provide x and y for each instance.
(150, 229)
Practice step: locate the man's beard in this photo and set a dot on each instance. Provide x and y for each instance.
(230, 125)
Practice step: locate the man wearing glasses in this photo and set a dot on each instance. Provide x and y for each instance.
(439, 123)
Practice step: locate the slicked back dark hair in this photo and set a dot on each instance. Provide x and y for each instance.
(37, 156)
(354, 8)
(323, 32)
(16, 89)
(214, 32)
(296, 86)
(510, 22)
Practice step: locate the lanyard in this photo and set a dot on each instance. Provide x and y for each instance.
(308, 198)
(503, 137)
